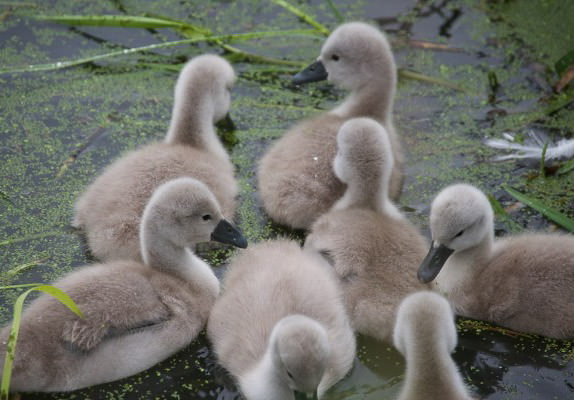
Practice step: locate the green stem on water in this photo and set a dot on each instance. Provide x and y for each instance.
(231, 37)
(16, 270)
(32, 237)
(14, 330)
(19, 286)
(549, 212)
(336, 11)
(305, 17)
(405, 73)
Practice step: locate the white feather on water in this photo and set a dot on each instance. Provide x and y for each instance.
(564, 149)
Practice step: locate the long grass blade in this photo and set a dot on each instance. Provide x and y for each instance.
(549, 212)
(230, 38)
(19, 286)
(304, 16)
(405, 73)
(122, 21)
(501, 213)
(11, 346)
(336, 11)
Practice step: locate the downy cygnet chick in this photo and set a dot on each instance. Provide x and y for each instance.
(134, 314)
(279, 325)
(425, 334)
(110, 209)
(296, 179)
(373, 249)
(522, 282)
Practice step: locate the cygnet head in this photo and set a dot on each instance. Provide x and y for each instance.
(424, 321)
(363, 153)
(460, 218)
(207, 77)
(353, 56)
(301, 350)
(184, 212)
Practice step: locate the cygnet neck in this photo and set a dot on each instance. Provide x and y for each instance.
(373, 99)
(192, 121)
(264, 381)
(369, 192)
(478, 255)
(161, 253)
(431, 373)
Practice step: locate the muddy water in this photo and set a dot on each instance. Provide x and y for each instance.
(59, 128)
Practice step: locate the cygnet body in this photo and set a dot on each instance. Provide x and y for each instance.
(374, 250)
(296, 179)
(110, 210)
(279, 325)
(135, 314)
(522, 282)
(425, 334)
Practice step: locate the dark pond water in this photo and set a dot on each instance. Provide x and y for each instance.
(59, 128)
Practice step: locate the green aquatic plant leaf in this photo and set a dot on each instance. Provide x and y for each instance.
(11, 346)
(549, 212)
(304, 16)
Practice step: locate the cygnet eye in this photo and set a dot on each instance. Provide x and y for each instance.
(206, 217)
(335, 57)
(289, 374)
(459, 234)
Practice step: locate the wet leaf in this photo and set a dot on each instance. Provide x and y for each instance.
(11, 346)
(549, 212)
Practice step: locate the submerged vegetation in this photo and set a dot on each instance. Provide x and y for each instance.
(502, 67)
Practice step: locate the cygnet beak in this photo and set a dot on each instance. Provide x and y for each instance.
(313, 73)
(226, 233)
(433, 262)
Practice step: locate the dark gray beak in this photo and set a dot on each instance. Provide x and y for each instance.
(313, 73)
(226, 233)
(433, 262)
